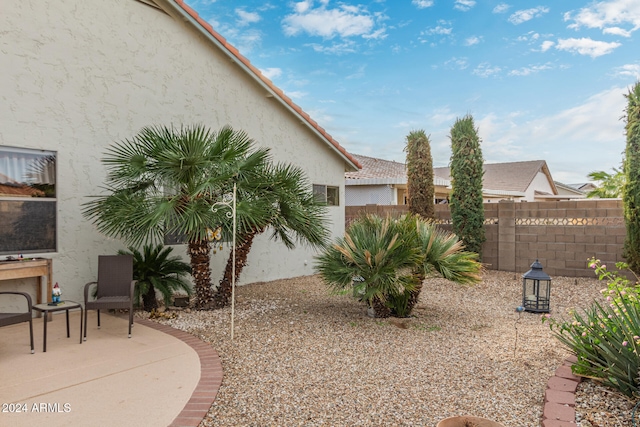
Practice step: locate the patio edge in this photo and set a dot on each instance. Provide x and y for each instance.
(559, 398)
(211, 374)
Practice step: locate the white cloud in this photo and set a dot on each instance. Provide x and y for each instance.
(617, 31)
(546, 45)
(587, 46)
(470, 41)
(343, 21)
(628, 70)
(525, 15)
(271, 73)
(486, 70)
(246, 18)
(346, 46)
(296, 94)
(422, 4)
(246, 41)
(464, 5)
(439, 30)
(525, 71)
(593, 123)
(501, 8)
(607, 15)
(456, 63)
(441, 116)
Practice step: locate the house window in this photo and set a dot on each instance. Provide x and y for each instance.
(327, 194)
(27, 201)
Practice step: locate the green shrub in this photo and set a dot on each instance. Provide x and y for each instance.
(384, 261)
(605, 337)
(154, 270)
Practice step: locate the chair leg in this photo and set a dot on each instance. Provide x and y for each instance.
(130, 321)
(31, 335)
(98, 318)
(85, 324)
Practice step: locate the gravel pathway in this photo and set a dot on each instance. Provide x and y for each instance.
(304, 357)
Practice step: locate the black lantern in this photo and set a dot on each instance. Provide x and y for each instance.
(536, 289)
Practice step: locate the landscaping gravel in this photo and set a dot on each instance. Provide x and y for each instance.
(304, 357)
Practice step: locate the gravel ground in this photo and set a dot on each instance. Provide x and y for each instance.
(304, 357)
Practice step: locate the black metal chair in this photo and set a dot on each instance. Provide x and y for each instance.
(7, 319)
(114, 287)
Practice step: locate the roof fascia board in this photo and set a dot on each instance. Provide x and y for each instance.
(202, 28)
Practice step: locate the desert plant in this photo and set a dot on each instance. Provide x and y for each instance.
(631, 190)
(610, 185)
(168, 181)
(155, 270)
(420, 174)
(466, 204)
(605, 337)
(384, 261)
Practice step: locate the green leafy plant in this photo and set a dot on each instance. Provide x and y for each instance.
(605, 337)
(154, 271)
(466, 204)
(631, 189)
(383, 261)
(420, 174)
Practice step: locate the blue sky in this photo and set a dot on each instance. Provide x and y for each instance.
(543, 80)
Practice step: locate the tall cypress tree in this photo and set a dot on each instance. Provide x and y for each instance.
(467, 210)
(631, 190)
(420, 174)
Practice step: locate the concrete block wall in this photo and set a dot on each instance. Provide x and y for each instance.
(562, 235)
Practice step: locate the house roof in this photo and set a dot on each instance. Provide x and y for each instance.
(379, 171)
(570, 188)
(512, 176)
(191, 16)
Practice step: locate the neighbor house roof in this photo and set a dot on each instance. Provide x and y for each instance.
(191, 16)
(512, 176)
(569, 188)
(379, 172)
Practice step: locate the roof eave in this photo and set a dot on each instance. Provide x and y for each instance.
(187, 14)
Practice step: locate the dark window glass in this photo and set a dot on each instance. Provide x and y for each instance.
(27, 201)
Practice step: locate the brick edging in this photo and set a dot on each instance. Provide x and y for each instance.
(210, 376)
(559, 408)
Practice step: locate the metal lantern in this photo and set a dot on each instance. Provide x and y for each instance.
(536, 289)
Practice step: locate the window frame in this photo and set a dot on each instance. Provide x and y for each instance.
(321, 193)
(21, 248)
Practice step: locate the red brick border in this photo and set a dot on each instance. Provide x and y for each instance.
(559, 398)
(210, 376)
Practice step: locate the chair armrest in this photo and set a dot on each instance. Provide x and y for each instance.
(86, 290)
(24, 294)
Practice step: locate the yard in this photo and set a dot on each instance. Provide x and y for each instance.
(304, 357)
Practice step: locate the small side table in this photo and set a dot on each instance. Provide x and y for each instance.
(64, 305)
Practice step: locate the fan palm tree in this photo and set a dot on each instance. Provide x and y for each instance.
(386, 260)
(287, 208)
(154, 270)
(610, 185)
(167, 180)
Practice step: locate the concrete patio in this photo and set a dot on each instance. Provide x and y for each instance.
(155, 378)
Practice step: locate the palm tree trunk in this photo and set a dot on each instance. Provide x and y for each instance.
(223, 294)
(149, 300)
(201, 272)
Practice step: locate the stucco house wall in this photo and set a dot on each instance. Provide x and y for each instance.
(79, 75)
(359, 195)
(539, 183)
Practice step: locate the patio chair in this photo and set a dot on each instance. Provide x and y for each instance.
(114, 287)
(7, 319)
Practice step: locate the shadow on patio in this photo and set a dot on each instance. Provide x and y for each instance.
(151, 379)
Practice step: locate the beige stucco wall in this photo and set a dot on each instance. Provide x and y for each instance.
(539, 183)
(79, 75)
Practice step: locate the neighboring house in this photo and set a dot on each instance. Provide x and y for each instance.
(584, 187)
(572, 191)
(78, 76)
(384, 182)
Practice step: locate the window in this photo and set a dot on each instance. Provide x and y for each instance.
(327, 194)
(27, 201)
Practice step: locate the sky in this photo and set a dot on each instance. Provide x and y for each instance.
(542, 80)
